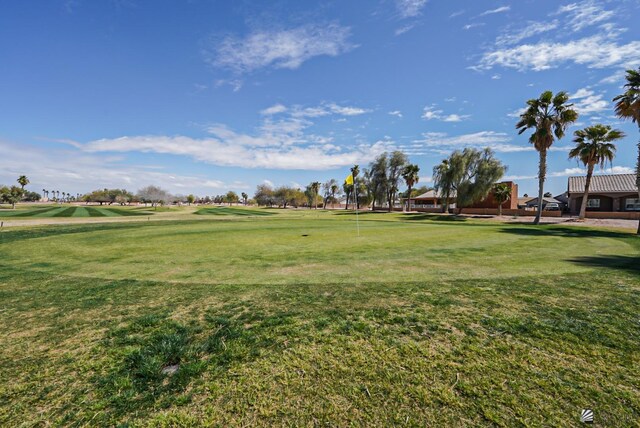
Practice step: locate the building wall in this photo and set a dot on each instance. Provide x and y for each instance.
(490, 202)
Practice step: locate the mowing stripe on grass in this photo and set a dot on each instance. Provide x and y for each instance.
(123, 212)
(67, 212)
(94, 212)
(30, 212)
(80, 212)
(232, 211)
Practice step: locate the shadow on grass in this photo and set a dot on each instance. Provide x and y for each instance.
(566, 232)
(433, 217)
(629, 264)
(360, 213)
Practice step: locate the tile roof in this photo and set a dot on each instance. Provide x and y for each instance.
(618, 183)
(433, 194)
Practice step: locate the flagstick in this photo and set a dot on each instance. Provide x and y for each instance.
(355, 192)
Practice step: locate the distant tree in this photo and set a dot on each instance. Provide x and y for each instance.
(397, 162)
(628, 107)
(154, 195)
(548, 116)
(328, 192)
(526, 195)
(411, 176)
(548, 195)
(471, 173)
(334, 190)
(23, 181)
(501, 194)
(264, 195)
(244, 198)
(231, 197)
(31, 196)
(355, 170)
(315, 190)
(594, 147)
(190, 199)
(348, 190)
(376, 179)
(11, 195)
(284, 195)
(443, 179)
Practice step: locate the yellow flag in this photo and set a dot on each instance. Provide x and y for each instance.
(349, 179)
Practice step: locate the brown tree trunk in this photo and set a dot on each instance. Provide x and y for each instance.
(542, 172)
(500, 210)
(585, 196)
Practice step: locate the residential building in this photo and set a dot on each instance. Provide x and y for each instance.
(607, 193)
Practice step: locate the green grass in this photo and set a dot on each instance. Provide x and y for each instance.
(70, 211)
(293, 320)
(225, 211)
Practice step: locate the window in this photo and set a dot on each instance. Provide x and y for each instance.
(632, 204)
(593, 203)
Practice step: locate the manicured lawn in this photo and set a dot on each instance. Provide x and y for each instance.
(234, 211)
(70, 211)
(292, 319)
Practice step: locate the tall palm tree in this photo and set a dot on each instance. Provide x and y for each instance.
(411, 177)
(501, 194)
(549, 117)
(315, 188)
(23, 181)
(355, 170)
(628, 107)
(44, 193)
(244, 198)
(334, 189)
(593, 147)
(443, 181)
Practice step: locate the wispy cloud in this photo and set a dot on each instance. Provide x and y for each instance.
(410, 8)
(597, 51)
(601, 49)
(279, 49)
(396, 113)
(501, 9)
(274, 109)
(443, 143)
(585, 13)
(587, 102)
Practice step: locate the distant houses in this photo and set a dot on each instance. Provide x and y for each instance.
(607, 194)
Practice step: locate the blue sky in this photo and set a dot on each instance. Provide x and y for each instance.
(204, 96)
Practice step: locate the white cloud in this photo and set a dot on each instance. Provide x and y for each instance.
(474, 25)
(532, 29)
(410, 8)
(279, 49)
(501, 9)
(587, 102)
(443, 143)
(597, 51)
(431, 113)
(572, 172)
(396, 113)
(274, 109)
(76, 171)
(585, 13)
(405, 29)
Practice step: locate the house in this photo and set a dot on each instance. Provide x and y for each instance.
(607, 193)
(532, 203)
(434, 199)
(490, 202)
(431, 199)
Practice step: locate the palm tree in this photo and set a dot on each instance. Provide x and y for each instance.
(355, 170)
(501, 194)
(348, 189)
(443, 181)
(549, 117)
(628, 107)
(593, 147)
(411, 177)
(23, 181)
(315, 188)
(244, 198)
(44, 193)
(334, 189)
